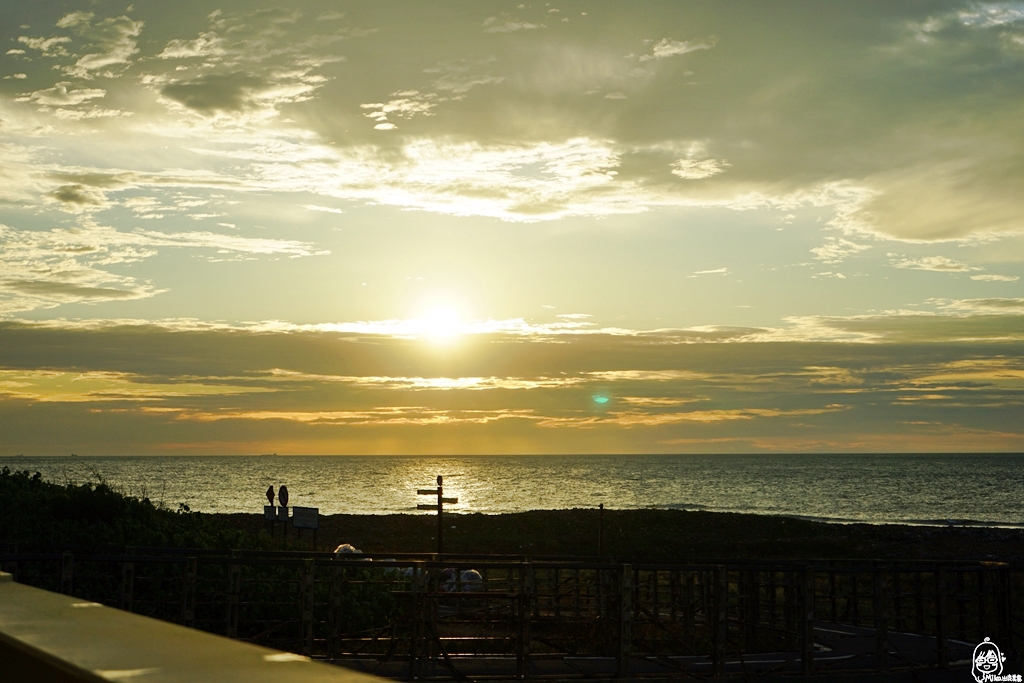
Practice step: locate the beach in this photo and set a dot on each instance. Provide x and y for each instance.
(654, 536)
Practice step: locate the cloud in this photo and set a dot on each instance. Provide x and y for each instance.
(649, 419)
(461, 76)
(50, 386)
(208, 94)
(431, 383)
(248, 64)
(995, 278)
(991, 14)
(1000, 306)
(45, 269)
(79, 197)
(48, 46)
(693, 169)
(672, 48)
(506, 24)
(408, 416)
(325, 209)
(837, 250)
(207, 45)
(939, 264)
(816, 137)
(455, 80)
(113, 40)
(539, 394)
(404, 104)
(74, 19)
(60, 96)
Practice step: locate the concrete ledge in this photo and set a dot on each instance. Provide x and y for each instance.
(46, 637)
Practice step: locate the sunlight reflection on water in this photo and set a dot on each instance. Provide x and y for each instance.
(874, 488)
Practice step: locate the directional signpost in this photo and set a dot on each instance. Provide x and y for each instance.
(439, 506)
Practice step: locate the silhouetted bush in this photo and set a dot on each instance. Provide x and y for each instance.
(35, 512)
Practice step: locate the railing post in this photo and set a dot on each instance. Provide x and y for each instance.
(417, 622)
(806, 621)
(982, 604)
(625, 610)
(753, 611)
(919, 602)
(790, 609)
(307, 597)
(689, 611)
(1002, 599)
(854, 597)
(941, 636)
(523, 609)
(897, 601)
(188, 594)
(234, 598)
(720, 605)
(833, 606)
(67, 574)
(334, 614)
(127, 585)
(879, 607)
(960, 604)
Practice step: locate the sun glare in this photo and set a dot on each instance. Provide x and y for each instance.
(441, 325)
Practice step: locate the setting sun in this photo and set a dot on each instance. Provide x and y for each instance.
(441, 324)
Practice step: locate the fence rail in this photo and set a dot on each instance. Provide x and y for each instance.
(415, 617)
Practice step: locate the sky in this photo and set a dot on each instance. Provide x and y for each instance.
(485, 227)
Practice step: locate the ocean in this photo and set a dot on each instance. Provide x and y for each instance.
(985, 489)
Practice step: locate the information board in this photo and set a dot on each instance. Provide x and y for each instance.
(305, 518)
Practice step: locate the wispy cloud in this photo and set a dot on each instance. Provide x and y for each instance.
(506, 24)
(837, 250)
(60, 96)
(939, 264)
(988, 277)
(692, 169)
(539, 395)
(673, 48)
(44, 269)
(113, 40)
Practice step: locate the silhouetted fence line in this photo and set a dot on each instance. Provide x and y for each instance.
(413, 617)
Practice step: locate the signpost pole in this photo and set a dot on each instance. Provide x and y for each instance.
(439, 507)
(440, 522)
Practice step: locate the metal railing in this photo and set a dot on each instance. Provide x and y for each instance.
(414, 617)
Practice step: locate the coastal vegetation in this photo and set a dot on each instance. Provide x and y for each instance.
(93, 514)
